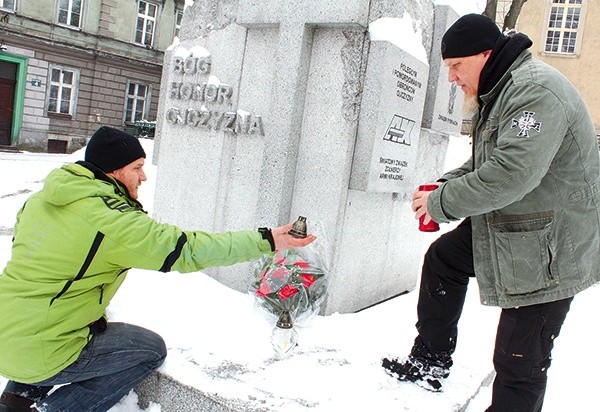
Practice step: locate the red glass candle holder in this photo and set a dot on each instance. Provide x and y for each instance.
(431, 226)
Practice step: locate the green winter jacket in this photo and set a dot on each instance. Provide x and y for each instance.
(531, 189)
(73, 244)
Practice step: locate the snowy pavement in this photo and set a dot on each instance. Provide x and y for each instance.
(219, 342)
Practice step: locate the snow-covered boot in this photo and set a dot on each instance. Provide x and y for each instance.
(419, 371)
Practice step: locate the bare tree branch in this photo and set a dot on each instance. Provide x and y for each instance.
(510, 20)
(491, 6)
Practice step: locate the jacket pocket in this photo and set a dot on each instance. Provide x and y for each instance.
(524, 252)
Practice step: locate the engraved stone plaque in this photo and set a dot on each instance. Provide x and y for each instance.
(395, 89)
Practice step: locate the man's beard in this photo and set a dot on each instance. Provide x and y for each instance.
(470, 106)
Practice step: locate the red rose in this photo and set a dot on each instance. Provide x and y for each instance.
(301, 264)
(287, 291)
(263, 290)
(279, 273)
(307, 279)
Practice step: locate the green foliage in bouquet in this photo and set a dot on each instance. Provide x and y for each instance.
(292, 280)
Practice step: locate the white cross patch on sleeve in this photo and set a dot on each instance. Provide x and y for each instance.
(525, 123)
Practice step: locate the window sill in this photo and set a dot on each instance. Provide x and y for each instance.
(145, 46)
(70, 27)
(562, 55)
(62, 116)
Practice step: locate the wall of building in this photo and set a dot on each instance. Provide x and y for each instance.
(102, 51)
(579, 68)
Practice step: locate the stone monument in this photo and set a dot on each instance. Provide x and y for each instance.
(329, 109)
(442, 115)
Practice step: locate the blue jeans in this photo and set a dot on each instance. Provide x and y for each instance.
(110, 365)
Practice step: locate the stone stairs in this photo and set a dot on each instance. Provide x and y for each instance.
(174, 396)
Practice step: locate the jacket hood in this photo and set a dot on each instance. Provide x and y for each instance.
(73, 182)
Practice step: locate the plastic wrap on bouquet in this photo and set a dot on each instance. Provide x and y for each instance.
(293, 280)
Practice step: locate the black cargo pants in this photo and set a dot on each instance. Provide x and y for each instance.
(524, 338)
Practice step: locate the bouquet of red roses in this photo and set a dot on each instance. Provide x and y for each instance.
(291, 280)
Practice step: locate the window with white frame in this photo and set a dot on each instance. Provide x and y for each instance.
(62, 93)
(178, 17)
(502, 8)
(146, 23)
(69, 12)
(8, 4)
(564, 26)
(137, 103)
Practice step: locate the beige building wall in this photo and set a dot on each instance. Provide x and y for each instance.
(580, 67)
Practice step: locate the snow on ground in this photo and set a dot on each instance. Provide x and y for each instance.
(336, 366)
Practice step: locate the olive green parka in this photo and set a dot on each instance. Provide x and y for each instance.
(531, 188)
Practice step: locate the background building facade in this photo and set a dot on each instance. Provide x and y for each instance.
(70, 66)
(565, 34)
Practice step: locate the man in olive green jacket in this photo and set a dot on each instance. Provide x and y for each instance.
(531, 195)
(73, 244)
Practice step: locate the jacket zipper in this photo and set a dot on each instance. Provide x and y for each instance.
(88, 261)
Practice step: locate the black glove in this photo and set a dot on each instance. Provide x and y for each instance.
(266, 234)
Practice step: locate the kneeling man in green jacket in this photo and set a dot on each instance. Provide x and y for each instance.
(74, 242)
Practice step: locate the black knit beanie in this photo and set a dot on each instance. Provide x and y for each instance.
(469, 35)
(110, 149)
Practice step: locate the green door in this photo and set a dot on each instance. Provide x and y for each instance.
(13, 75)
(8, 80)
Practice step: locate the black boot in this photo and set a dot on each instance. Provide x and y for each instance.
(9, 402)
(419, 371)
